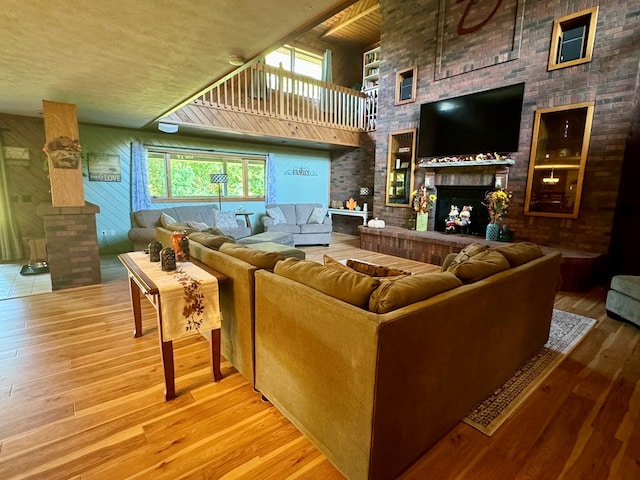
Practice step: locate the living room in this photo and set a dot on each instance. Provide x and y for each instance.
(410, 37)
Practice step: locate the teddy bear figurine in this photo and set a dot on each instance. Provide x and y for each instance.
(450, 222)
(464, 219)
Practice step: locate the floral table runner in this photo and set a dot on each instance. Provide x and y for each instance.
(189, 299)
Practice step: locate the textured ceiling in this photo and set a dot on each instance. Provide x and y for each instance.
(126, 63)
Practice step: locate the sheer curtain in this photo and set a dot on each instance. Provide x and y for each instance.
(10, 243)
(271, 179)
(140, 198)
(327, 69)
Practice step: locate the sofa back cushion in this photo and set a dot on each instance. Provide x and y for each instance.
(391, 295)
(351, 287)
(150, 218)
(304, 211)
(258, 258)
(196, 213)
(520, 253)
(479, 266)
(288, 210)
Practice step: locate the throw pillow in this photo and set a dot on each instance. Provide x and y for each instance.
(197, 226)
(318, 215)
(466, 253)
(225, 219)
(257, 258)
(375, 270)
(276, 215)
(410, 289)
(166, 220)
(481, 265)
(520, 253)
(332, 262)
(351, 287)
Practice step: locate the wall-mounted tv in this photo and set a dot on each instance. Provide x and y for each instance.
(482, 122)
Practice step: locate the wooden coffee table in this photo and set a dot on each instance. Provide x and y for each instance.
(139, 282)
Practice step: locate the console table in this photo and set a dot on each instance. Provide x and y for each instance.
(350, 213)
(139, 270)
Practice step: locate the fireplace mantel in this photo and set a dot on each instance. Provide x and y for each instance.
(469, 164)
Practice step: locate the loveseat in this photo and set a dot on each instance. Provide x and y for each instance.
(144, 222)
(378, 370)
(307, 222)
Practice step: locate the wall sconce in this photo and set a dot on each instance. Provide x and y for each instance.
(430, 180)
(219, 179)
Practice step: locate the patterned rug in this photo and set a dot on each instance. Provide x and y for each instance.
(567, 330)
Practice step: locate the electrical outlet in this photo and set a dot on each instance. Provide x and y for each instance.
(113, 233)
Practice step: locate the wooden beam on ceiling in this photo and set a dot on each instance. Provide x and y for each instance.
(355, 13)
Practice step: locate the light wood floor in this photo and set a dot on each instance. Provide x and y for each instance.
(80, 398)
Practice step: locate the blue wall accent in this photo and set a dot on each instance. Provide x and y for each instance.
(302, 175)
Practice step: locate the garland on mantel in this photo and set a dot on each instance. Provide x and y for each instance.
(470, 158)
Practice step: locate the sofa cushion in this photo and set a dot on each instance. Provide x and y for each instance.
(276, 215)
(197, 226)
(315, 228)
(318, 214)
(166, 220)
(209, 239)
(481, 265)
(467, 252)
(179, 227)
(258, 258)
(520, 253)
(351, 287)
(410, 289)
(225, 219)
(285, 228)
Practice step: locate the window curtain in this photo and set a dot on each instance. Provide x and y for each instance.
(10, 242)
(271, 179)
(327, 69)
(140, 198)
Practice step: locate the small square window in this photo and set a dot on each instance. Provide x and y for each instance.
(406, 85)
(573, 39)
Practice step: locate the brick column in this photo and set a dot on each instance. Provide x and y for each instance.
(72, 245)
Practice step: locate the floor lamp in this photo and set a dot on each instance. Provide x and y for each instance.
(219, 179)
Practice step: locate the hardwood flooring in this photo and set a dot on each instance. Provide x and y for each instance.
(81, 399)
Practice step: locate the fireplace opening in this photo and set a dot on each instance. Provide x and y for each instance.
(460, 196)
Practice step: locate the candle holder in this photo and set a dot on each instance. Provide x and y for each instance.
(168, 259)
(154, 251)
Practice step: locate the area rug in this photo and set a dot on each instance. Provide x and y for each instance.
(567, 330)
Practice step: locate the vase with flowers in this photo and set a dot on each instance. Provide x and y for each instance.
(423, 203)
(497, 202)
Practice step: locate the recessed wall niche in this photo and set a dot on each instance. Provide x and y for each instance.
(573, 38)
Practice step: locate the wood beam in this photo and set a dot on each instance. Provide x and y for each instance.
(356, 12)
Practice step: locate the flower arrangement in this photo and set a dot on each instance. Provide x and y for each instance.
(422, 203)
(497, 202)
(63, 152)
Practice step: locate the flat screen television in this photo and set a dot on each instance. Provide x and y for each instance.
(482, 122)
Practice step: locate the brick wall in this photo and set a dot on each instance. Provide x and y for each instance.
(409, 37)
(72, 245)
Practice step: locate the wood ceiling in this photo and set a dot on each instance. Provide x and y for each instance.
(357, 25)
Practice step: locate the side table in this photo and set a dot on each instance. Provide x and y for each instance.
(140, 283)
(247, 220)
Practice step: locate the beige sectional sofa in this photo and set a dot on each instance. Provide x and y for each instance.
(377, 371)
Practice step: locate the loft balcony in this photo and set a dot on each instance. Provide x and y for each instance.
(273, 104)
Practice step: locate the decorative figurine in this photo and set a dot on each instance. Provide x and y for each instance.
(154, 251)
(450, 222)
(177, 242)
(167, 259)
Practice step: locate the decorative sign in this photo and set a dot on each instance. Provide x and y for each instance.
(303, 171)
(104, 167)
(17, 156)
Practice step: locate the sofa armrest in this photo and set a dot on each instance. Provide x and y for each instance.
(141, 237)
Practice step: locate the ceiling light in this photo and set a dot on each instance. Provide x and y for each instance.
(236, 60)
(168, 127)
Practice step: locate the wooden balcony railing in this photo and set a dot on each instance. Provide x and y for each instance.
(271, 91)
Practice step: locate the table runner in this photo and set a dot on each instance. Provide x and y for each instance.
(189, 298)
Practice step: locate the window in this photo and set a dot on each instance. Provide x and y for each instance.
(296, 61)
(573, 39)
(185, 175)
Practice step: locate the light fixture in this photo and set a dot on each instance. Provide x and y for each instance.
(236, 60)
(220, 179)
(168, 127)
(550, 180)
